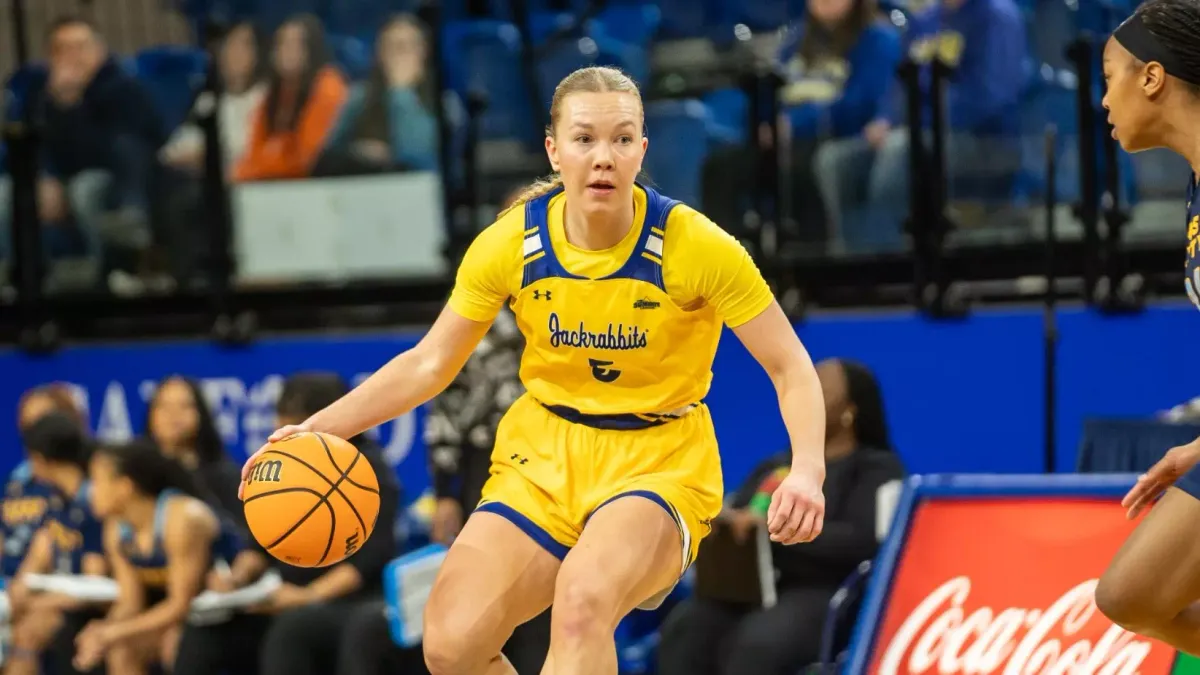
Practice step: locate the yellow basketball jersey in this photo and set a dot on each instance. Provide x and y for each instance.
(616, 345)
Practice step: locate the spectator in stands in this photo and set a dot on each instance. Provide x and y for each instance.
(702, 636)
(839, 63)
(181, 424)
(304, 96)
(865, 179)
(386, 124)
(459, 433)
(99, 135)
(302, 625)
(162, 541)
(243, 89)
(70, 542)
(26, 498)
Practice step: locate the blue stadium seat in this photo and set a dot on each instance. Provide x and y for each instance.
(634, 24)
(485, 55)
(678, 132)
(557, 60)
(360, 18)
(17, 89)
(352, 54)
(685, 18)
(729, 109)
(760, 15)
(1050, 100)
(173, 75)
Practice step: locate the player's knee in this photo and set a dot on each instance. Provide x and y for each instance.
(583, 604)
(451, 639)
(1123, 604)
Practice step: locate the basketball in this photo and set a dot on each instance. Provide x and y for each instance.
(311, 500)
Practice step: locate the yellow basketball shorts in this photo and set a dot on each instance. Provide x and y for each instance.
(549, 475)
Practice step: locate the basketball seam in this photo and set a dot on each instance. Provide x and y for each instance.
(333, 487)
(280, 491)
(329, 453)
(341, 477)
(332, 513)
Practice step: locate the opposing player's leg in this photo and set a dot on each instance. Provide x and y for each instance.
(1152, 586)
(495, 577)
(630, 550)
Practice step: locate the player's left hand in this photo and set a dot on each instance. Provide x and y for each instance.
(797, 512)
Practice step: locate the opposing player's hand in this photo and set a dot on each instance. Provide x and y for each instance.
(797, 512)
(280, 434)
(1161, 476)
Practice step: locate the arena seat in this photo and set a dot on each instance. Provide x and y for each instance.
(729, 108)
(559, 58)
(678, 131)
(173, 75)
(485, 55)
(634, 24)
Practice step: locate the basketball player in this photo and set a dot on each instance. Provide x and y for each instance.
(1152, 67)
(69, 542)
(605, 474)
(161, 541)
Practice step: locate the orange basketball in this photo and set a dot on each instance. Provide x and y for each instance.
(311, 500)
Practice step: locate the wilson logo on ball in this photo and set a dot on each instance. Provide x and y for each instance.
(266, 472)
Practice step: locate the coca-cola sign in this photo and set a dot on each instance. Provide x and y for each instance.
(1007, 586)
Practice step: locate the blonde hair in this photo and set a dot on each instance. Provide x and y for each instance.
(590, 80)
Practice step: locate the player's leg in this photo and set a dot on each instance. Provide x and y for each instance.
(494, 578)
(31, 634)
(1152, 585)
(630, 550)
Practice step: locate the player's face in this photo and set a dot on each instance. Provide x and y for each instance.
(598, 148)
(1129, 99)
(835, 391)
(109, 488)
(173, 415)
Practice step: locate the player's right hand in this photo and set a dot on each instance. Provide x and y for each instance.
(279, 434)
(1161, 476)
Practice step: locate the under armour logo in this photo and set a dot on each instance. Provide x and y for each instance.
(541, 295)
(519, 459)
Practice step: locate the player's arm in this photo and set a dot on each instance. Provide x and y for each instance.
(772, 342)
(130, 593)
(189, 533)
(720, 270)
(421, 373)
(39, 558)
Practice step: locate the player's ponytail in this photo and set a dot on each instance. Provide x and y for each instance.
(537, 189)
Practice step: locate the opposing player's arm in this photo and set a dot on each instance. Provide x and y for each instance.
(187, 539)
(416, 376)
(131, 596)
(722, 272)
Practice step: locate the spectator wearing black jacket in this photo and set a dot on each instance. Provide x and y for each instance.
(99, 132)
(459, 432)
(303, 624)
(704, 637)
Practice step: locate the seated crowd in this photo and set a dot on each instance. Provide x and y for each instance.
(159, 516)
(120, 184)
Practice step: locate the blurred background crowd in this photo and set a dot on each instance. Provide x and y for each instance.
(216, 215)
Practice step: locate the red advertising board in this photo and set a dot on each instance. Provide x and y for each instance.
(1006, 585)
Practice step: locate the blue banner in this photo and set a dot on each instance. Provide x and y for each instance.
(114, 383)
(963, 396)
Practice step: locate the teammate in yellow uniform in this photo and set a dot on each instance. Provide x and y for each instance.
(605, 474)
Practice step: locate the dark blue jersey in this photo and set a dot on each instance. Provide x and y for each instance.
(26, 503)
(1192, 266)
(75, 532)
(151, 564)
